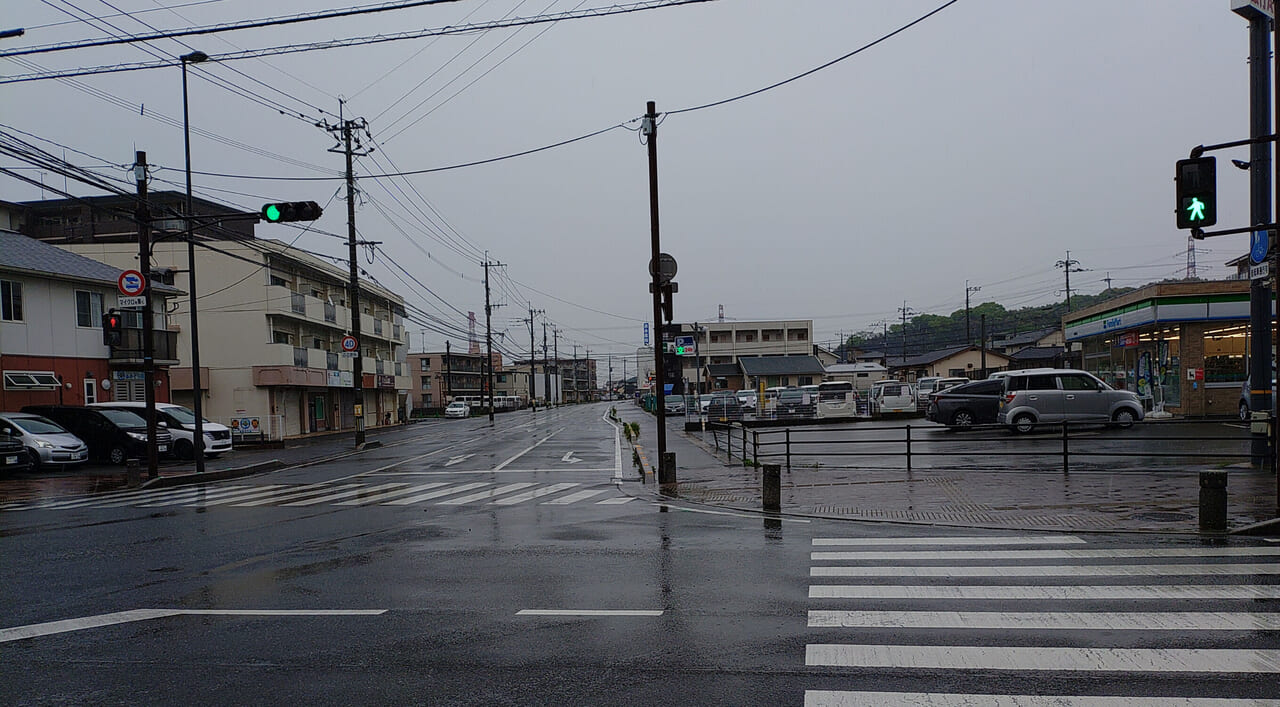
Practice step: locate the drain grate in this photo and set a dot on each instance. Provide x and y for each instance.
(1164, 516)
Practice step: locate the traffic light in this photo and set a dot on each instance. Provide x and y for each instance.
(112, 328)
(291, 211)
(1197, 187)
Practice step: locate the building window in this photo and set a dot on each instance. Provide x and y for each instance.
(88, 308)
(278, 281)
(31, 380)
(425, 363)
(90, 391)
(426, 382)
(10, 301)
(281, 337)
(427, 400)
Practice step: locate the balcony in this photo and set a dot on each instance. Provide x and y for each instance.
(298, 303)
(330, 313)
(300, 358)
(165, 352)
(331, 361)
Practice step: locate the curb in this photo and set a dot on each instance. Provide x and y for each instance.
(221, 475)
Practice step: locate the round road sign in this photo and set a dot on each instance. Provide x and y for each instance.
(666, 268)
(349, 343)
(131, 283)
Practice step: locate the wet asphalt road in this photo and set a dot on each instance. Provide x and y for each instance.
(445, 537)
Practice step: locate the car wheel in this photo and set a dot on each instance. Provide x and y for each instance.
(118, 456)
(1124, 418)
(962, 419)
(1244, 411)
(35, 459)
(184, 449)
(1024, 423)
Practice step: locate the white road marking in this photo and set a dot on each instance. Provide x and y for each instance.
(460, 458)
(295, 494)
(1047, 554)
(487, 494)
(380, 497)
(1171, 660)
(568, 457)
(153, 496)
(838, 698)
(1019, 620)
(574, 497)
(615, 501)
(329, 498)
(435, 494)
(244, 494)
(617, 447)
(208, 495)
(530, 495)
(1049, 570)
(1105, 592)
(44, 629)
(974, 540)
(535, 445)
(457, 472)
(589, 612)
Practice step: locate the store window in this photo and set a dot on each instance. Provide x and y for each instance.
(1225, 353)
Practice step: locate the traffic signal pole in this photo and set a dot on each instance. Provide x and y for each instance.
(1259, 214)
(666, 475)
(148, 323)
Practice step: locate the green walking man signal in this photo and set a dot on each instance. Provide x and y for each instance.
(1197, 184)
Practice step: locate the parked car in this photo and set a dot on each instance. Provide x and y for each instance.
(747, 398)
(795, 403)
(704, 400)
(1245, 411)
(457, 409)
(13, 455)
(1064, 395)
(182, 424)
(925, 386)
(724, 407)
(673, 405)
(963, 406)
(46, 441)
(892, 396)
(112, 435)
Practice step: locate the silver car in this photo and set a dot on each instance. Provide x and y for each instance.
(46, 441)
(1066, 395)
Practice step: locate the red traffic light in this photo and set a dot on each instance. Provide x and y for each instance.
(112, 328)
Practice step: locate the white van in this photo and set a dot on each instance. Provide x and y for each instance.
(836, 399)
(892, 396)
(182, 425)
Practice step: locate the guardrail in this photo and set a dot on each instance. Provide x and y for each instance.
(911, 442)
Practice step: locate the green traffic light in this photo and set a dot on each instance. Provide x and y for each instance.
(272, 212)
(1195, 210)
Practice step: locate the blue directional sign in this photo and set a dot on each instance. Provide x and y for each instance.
(646, 333)
(1259, 244)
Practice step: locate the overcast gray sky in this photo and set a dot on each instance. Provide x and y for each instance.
(979, 145)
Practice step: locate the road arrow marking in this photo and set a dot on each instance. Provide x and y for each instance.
(455, 460)
(568, 457)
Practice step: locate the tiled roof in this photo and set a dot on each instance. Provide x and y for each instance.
(1036, 353)
(780, 365)
(723, 370)
(22, 254)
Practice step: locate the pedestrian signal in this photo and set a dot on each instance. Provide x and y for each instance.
(1197, 185)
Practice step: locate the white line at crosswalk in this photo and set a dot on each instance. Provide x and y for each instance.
(1049, 570)
(380, 497)
(486, 494)
(247, 494)
(1163, 660)
(1022, 620)
(535, 493)
(970, 540)
(340, 495)
(1052, 593)
(419, 498)
(205, 495)
(575, 497)
(274, 499)
(841, 698)
(913, 556)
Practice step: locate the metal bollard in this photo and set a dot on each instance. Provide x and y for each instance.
(132, 473)
(1213, 501)
(772, 490)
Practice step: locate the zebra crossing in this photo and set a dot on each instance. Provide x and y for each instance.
(343, 493)
(954, 611)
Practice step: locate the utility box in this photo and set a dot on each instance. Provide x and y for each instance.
(1260, 422)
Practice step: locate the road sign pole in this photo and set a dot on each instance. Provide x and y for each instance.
(1260, 213)
(148, 325)
(666, 474)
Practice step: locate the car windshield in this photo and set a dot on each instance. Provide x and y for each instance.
(182, 415)
(791, 394)
(38, 425)
(122, 418)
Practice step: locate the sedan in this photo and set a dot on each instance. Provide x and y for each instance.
(458, 410)
(967, 405)
(673, 405)
(46, 441)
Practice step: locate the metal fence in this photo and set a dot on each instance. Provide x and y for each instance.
(1071, 445)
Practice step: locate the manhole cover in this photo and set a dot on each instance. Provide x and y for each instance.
(1164, 516)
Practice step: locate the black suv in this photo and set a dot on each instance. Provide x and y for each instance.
(724, 407)
(967, 405)
(112, 435)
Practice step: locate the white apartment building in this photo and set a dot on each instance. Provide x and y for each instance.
(728, 341)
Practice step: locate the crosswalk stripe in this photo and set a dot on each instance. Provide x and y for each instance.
(972, 540)
(1015, 620)
(535, 493)
(292, 495)
(910, 556)
(328, 498)
(486, 494)
(1048, 570)
(379, 497)
(1162, 660)
(155, 495)
(574, 497)
(249, 494)
(1108, 592)
(839, 698)
(198, 497)
(435, 494)
(615, 501)
(81, 500)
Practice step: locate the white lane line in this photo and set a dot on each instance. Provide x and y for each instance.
(380, 497)
(535, 445)
(460, 472)
(1050, 571)
(487, 494)
(615, 501)
(327, 498)
(575, 497)
(1162, 660)
(435, 494)
(203, 494)
(295, 494)
(1108, 592)
(617, 447)
(1018, 620)
(536, 493)
(842, 698)
(589, 612)
(974, 540)
(120, 617)
(1048, 554)
(458, 459)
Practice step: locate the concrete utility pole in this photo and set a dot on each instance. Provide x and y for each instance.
(197, 396)
(555, 335)
(488, 331)
(1068, 266)
(346, 128)
(532, 312)
(577, 396)
(448, 375)
(546, 367)
(968, 330)
(591, 393)
(905, 310)
(649, 129)
(983, 348)
(143, 215)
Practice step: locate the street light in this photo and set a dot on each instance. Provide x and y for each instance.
(197, 438)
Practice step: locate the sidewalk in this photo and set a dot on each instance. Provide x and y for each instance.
(1105, 501)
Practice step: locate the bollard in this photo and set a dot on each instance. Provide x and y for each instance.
(772, 491)
(132, 474)
(1213, 501)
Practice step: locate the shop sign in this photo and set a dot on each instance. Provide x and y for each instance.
(386, 381)
(1128, 339)
(334, 379)
(129, 375)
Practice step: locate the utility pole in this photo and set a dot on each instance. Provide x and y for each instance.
(143, 215)
(546, 368)
(532, 312)
(905, 310)
(1068, 266)
(555, 334)
(577, 397)
(488, 331)
(649, 129)
(983, 333)
(1107, 280)
(346, 128)
(968, 330)
(448, 374)
(586, 362)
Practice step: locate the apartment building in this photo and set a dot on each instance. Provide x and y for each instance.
(727, 342)
(437, 377)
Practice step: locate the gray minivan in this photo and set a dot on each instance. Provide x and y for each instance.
(1066, 395)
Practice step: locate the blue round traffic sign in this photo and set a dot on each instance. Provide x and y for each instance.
(1259, 244)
